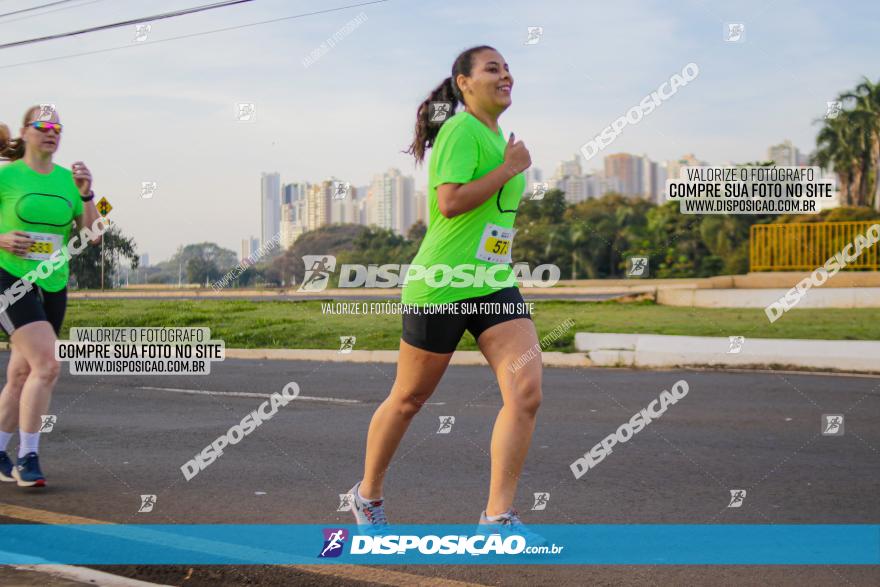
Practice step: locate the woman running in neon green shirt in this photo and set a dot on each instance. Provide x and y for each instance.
(475, 185)
(39, 201)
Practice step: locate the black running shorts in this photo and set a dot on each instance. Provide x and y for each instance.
(36, 305)
(440, 332)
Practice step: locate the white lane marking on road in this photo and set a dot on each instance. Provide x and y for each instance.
(332, 400)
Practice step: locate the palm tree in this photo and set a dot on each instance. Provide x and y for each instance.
(866, 97)
(835, 149)
(850, 144)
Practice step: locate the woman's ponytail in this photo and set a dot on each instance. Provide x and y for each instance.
(427, 129)
(10, 149)
(13, 149)
(448, 91)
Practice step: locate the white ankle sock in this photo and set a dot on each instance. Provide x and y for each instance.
(30, 442)
(5, 437)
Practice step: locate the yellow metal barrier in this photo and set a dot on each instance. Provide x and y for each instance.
(796, 247)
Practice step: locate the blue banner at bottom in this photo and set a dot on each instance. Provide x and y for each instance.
(208, 544)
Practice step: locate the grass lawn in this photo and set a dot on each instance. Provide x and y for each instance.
(284, 324)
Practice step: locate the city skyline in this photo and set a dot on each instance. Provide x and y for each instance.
(166, 111)
(629, 174)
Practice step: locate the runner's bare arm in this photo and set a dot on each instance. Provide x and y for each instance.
(458, 198)
(83, 178)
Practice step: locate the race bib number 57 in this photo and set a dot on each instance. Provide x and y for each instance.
(45, 243)
(496, 244)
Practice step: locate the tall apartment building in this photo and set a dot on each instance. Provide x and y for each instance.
(270, 206)
(318, 198)
(391, 201)
(785, 154)
(294, 204)
(249, 246)
(569, 177)
(627, 170)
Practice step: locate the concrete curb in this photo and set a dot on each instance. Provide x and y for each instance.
(653, 351)
(840, 297)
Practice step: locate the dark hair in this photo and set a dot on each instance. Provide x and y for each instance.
(447, 91)
(13, 149)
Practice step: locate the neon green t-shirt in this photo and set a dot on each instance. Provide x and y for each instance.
(475, 246)
(44, 205)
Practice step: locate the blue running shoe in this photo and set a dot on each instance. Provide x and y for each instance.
(369, 514)
(27, 471)
(5, 467)
(509, 524)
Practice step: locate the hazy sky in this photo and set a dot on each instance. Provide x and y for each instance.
(165, 111)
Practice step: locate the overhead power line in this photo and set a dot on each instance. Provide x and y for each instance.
(114, 25)
(190, 35)
(32, 8)
(10, 20)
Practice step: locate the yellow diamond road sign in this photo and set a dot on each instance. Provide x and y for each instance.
(103, 207)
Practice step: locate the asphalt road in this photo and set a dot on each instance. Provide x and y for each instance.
(118, 437)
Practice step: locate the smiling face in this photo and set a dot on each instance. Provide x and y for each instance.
(42, 142)
(490, 83)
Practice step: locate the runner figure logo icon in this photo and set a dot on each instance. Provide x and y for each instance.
(340, 189)
(541, 499)
(334, 540)
(735, 32)
(148, 188)
(438, 112)
(832, 424)
(534, 35)
(47, 422)
(736, 345)
(538, 191)
(446, 423)
(147, 503)
(247, 112)
(344, 502)
(832, 109)
(346, 344)
(318, 269)
(141, 31)
(737, 496)
(638, 266)
(46, 112)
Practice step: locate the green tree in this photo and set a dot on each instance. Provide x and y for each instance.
(85, 268)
